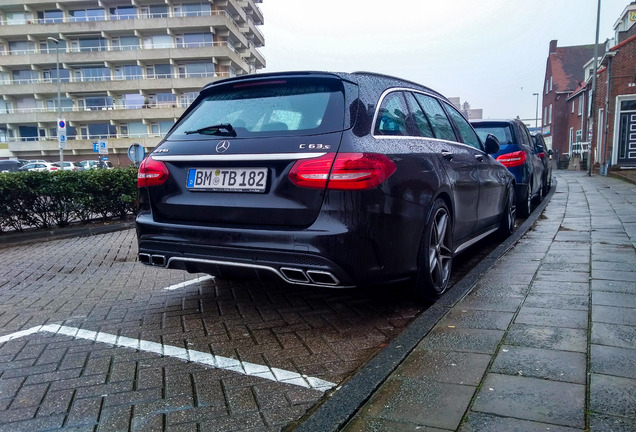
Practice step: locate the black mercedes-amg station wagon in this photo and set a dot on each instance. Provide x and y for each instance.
(323, 179)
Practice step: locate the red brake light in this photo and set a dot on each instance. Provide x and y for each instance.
(152, 173)
(348, 171)
(513, 159)
(541, 155)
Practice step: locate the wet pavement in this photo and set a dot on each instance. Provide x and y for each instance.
(545, 339)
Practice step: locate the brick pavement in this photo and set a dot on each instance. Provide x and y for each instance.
(52, 381)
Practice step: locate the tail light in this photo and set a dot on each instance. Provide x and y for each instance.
(152, 173)
(513, 159)
(346, 171)
(541, 155)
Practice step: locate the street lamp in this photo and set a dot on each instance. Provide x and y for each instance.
(59, 98)
(536, 113)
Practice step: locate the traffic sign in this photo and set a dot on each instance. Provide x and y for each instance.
(136, 153)
(103, 147)
(95, 146)
(61, 133)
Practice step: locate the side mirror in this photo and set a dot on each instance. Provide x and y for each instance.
(539, 148)
(491, 144)
(550, 152)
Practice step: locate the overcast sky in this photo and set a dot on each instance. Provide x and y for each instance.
(490, 53)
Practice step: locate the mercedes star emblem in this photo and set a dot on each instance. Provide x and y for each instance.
(222, 146)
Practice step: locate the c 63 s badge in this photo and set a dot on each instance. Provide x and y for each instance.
(315, 146)
(163, 150)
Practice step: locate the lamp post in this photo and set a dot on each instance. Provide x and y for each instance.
(59, 98)
(536, 113)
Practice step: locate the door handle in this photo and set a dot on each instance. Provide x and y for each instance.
(447, 155)
(479, 157)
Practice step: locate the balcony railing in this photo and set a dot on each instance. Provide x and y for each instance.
(114, 77)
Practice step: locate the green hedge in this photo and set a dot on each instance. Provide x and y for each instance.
(47, 199)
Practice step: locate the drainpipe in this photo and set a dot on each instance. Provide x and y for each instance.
(609, 56)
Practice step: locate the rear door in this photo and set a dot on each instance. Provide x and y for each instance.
(458, 161)
(229, 156)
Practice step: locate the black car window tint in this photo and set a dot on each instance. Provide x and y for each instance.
(467, 133)
(391, 119)
(437, 117)
(416, 119)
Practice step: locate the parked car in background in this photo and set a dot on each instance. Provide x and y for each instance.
(545, 155)
(69, 166)
(39, 166)
(321, 179)
(10, 165)
(95, 164)
(518, 155)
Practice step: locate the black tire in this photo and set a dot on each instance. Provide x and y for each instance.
(524, 207)
(435, 259)
(508, 218)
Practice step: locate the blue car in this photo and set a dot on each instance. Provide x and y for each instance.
(517, 153)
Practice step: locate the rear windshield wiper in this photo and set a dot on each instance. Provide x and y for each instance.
(224, 129)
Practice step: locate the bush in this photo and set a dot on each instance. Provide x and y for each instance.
(46, 199)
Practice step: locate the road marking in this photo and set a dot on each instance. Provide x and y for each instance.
(218, 362)
(190, 282)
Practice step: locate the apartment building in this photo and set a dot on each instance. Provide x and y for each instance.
(127, 69)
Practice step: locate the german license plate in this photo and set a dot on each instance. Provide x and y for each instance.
(228, 179)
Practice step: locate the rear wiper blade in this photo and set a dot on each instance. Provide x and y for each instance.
(224, 129)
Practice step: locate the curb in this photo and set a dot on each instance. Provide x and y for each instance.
(342, 403)
(29, 237)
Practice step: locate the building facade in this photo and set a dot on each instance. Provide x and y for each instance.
(127, 69)
(564, 74)
(614, 129)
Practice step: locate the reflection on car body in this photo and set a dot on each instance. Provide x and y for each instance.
(331, 180)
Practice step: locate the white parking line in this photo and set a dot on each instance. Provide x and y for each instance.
(190, 282)
(218, 362)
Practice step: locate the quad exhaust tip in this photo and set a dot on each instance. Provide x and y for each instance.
(316, 277)
(155, 260)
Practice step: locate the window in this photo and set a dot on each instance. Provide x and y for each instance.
(571, 136)
(192, 9)
(131, 101)
(581, 102)
(161, 128)
(21, 47)
(159, 99)
(572, 107)
(391, 119)
(128, 72)
(153, 11)
(101, 130)
(157, 41)
(50, 75)
(193, 40)
(89, 44)
(87, 15)
(417, 119)
(545, 116)
(187, 98)
(546, 86)
(125, 43)
(437, 117)
(51, 16)
(159, 71)
(97, 73)
(67, 104)
(137, 130)
(579, 135)
(196, 70)
(97, 102)
(550, 83)
(468, 135)
(550, 115)
(16, 18)
(24, 76)
(123, 13)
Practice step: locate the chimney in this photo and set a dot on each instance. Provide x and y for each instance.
(553, 47)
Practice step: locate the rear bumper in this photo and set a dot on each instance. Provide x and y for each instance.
(366, 249)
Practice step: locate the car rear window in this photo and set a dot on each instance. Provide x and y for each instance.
(280, 106)
(502, 132)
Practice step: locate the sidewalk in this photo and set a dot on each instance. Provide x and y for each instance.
(544, 341)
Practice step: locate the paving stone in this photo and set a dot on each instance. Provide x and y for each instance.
(602, 298)
(444, 366)
(362, 424)
(540, 363)
(559, 301)
(613, 395)
(614, 315)
(462, 339)
(615, 361)
(480, 422)
(613, 286)
(563, 318)
(439, 405)
(460, 317)
(532, 399)
(84, 412)
(604, 423)
(614, 335)
(560, 287)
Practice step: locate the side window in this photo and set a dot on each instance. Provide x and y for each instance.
(525, 136)
(437, 117)
(469, 136)
(417, 120)
(392, 116)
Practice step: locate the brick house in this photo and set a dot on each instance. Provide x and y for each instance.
(614, 129)
(564, 76)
